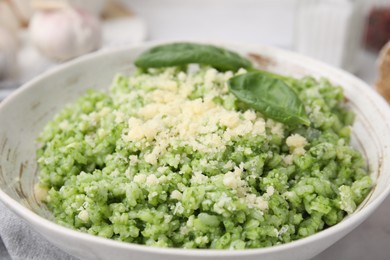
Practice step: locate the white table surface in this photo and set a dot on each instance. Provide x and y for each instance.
(262, 22)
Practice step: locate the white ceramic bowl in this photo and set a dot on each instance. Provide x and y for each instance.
(23, 115)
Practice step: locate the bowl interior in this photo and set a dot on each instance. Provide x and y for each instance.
(23, 115)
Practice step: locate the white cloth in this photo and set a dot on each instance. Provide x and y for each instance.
(19, 242)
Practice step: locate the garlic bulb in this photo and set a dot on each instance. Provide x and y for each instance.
(65, 33)
(8, 49)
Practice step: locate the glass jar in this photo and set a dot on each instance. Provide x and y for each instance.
(330, 30)
(377, 32)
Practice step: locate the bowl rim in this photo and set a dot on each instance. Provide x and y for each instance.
(349, 221)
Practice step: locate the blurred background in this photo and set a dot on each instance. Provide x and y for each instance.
(36, 35)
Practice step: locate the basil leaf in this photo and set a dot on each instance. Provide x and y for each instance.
(270, 96)
(177, 54)
(286, 79)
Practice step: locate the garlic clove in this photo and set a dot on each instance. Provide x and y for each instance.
(8, 18)
(65, 33)
(8, 51)
(94, 6)
(23, 9)
(47, 5)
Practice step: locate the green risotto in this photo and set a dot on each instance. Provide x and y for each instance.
(169, 157)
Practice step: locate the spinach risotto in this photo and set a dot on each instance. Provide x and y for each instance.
(203, 157)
